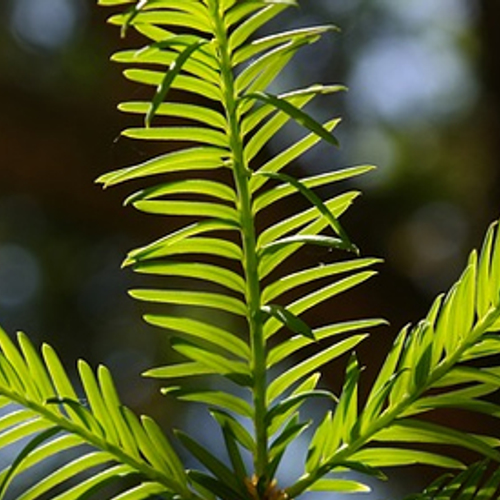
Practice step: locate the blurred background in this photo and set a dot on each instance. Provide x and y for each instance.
(423, 105)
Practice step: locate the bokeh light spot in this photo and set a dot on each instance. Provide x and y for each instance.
(45, 24)
(429, 247)
(19, 276)
(400, 80)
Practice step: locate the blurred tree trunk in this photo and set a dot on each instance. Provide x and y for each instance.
(489, 36)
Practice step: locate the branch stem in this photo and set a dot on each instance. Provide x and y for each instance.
(391, 415)
(249, 241)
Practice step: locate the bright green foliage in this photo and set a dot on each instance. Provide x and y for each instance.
(471, 484)
(234, 318)
(50, 418)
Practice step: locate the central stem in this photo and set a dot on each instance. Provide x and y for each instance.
(248, 238)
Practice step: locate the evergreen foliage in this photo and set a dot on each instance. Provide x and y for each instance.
(229, 260)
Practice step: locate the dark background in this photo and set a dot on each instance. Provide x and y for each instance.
(423, 105)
